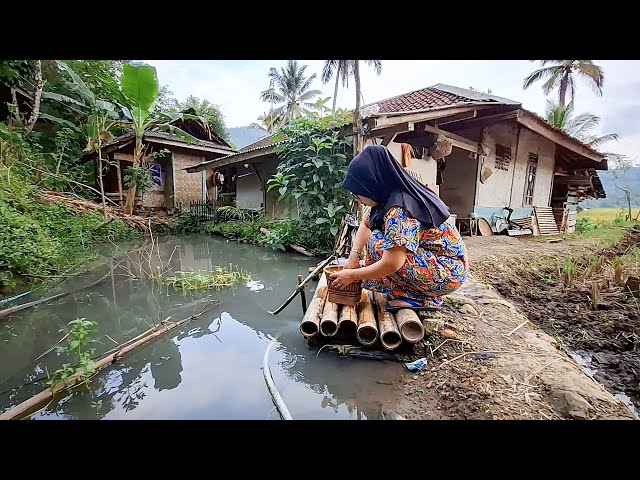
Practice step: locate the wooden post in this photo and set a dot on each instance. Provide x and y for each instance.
(120, 198)
(303, 296)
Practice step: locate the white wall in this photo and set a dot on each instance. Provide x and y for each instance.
(496, 191)
(459, 182)
(532, 142)
(248, 189)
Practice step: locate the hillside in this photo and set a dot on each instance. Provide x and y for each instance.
(242, 136)
(615, 196)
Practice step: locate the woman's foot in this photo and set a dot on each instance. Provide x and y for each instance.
(429, 304)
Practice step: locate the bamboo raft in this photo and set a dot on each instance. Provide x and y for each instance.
(368, 323)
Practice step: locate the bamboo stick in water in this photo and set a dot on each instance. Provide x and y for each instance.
(389, 333)
(409, 325)
(367, 331)
(310, 325)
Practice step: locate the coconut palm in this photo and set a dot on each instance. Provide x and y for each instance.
(267, 121)
(561, 74)
(579, 126)
(343, 70)
(290, 89)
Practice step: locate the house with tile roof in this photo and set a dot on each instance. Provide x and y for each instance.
(173, 186)
(500, 155)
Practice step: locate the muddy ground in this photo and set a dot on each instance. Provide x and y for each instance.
(508, 346)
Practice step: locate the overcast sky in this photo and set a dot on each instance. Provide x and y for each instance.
(235, 86)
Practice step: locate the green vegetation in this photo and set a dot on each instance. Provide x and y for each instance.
(77, 340)
(280, 232)
(218, 278)
(38, 238)
(313, 165)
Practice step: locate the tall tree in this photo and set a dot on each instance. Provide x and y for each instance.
(561, 74)
(290, 89)
(343, 70)
(579, 126)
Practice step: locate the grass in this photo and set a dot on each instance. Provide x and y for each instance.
(217, 278)
(606, 215)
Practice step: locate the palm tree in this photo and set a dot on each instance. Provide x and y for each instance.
(579, 126)
(290, 88)
(562, 74)
(267, 122)
(343, 69)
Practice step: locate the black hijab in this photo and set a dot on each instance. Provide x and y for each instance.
(375, 174)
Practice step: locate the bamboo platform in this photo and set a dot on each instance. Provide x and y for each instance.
(366, 327)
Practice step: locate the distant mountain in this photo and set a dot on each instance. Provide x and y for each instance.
(243, 136)
(615, 197)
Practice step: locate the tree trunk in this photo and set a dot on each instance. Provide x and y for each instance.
(563, 89)
(14, 101)
(335, 92)
(101, 182)
(628, 195)
(37, 95)
(131, 194)
(357, 123)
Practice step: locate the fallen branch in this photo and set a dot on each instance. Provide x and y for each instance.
(106, 360)
(17, 308)
(517, 328)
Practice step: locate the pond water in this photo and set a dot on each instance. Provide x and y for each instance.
(210, 367)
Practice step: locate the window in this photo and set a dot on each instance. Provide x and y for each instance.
(503, 158)
(530, 181)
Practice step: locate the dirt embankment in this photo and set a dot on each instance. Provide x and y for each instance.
(491, 357)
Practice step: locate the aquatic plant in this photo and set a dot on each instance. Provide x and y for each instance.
(217, 278)
(77, 339)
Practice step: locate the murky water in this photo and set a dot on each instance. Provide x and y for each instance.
(211, 367)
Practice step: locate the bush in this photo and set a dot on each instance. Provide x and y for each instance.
(585, 224)
(313, 165)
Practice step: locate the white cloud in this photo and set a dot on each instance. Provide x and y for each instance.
(235, 85)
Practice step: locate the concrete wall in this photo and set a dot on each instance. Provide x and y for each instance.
(188, 186)
(496, 191)
(532, 142)
(459, 182)
(249, 193)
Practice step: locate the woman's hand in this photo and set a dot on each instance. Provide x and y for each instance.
(343, 277)
(353, 261)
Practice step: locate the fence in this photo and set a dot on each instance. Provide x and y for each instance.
(202, 210)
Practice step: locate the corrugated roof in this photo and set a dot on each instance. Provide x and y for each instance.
(263, 142)
(176, 138)
(167, 136)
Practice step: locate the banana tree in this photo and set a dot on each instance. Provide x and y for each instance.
(139, 87)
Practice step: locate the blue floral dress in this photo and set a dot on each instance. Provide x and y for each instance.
(435, 265)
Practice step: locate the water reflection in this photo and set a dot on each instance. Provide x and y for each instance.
(208, 368)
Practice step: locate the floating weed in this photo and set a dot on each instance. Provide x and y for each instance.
(217, 278)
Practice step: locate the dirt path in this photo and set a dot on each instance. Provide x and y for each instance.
(486, 360)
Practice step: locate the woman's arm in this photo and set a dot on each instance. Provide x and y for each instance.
(362, 235)
(392, 260)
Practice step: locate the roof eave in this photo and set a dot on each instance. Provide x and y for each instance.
(538, 125)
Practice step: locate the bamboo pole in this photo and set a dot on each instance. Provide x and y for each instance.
(389, 333)
(329, 321)
(367, 331)
(409, 325)
(310, 325)
(348, 319)
(301, 286)
(43, 396)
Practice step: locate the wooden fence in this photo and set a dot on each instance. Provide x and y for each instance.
(202, 210)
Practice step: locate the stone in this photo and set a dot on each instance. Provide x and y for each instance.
(569, 404)
(467, 309)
